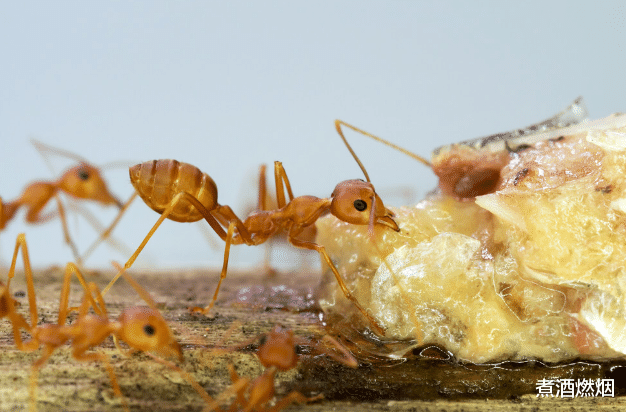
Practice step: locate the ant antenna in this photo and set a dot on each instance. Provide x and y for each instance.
(339, 123)
(42, 148)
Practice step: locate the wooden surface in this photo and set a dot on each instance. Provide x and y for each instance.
(250, 305)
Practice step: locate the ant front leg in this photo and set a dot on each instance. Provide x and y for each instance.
(322, 251)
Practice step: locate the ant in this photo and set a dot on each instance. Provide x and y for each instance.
(181, 192)
(83, 181)
(278, 352)
(141, 328)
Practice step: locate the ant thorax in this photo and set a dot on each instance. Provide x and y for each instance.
(263, 223)
(532, 269)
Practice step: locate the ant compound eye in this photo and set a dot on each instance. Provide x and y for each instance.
(149, 330)
(83, 174)
(360, 205)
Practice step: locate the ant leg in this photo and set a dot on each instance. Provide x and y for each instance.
(70, 269)
(96, 226)
(102, 311)
(262, 205)
(66, 232)
(20, 243)
(211, 220)
(226, 214)
(105, 235)
(280, 177)
(207, 216)
(229, 237)
(262, 200)
(322, 251)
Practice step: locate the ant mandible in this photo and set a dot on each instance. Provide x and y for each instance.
(181, 192)
(141, 328)
(83, 181)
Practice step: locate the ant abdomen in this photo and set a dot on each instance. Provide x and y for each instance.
(159, 181)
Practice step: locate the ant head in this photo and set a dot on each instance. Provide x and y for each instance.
(145, 329)
(278, 349)
(356, 202)
(85, 182)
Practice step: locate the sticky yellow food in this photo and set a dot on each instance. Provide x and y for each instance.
(533, 269)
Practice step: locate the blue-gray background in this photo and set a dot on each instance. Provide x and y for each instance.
(227, 86)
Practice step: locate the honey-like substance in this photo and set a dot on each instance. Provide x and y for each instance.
(534, 269)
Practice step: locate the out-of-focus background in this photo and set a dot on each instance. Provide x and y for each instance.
(227, 86)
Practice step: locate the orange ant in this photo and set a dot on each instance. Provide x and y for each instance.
(141, 328)
(83, 181)
(277, 352)
(181, 192)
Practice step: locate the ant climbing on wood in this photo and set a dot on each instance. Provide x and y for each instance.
(141, 328)
(278, 352)
(181, 192)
